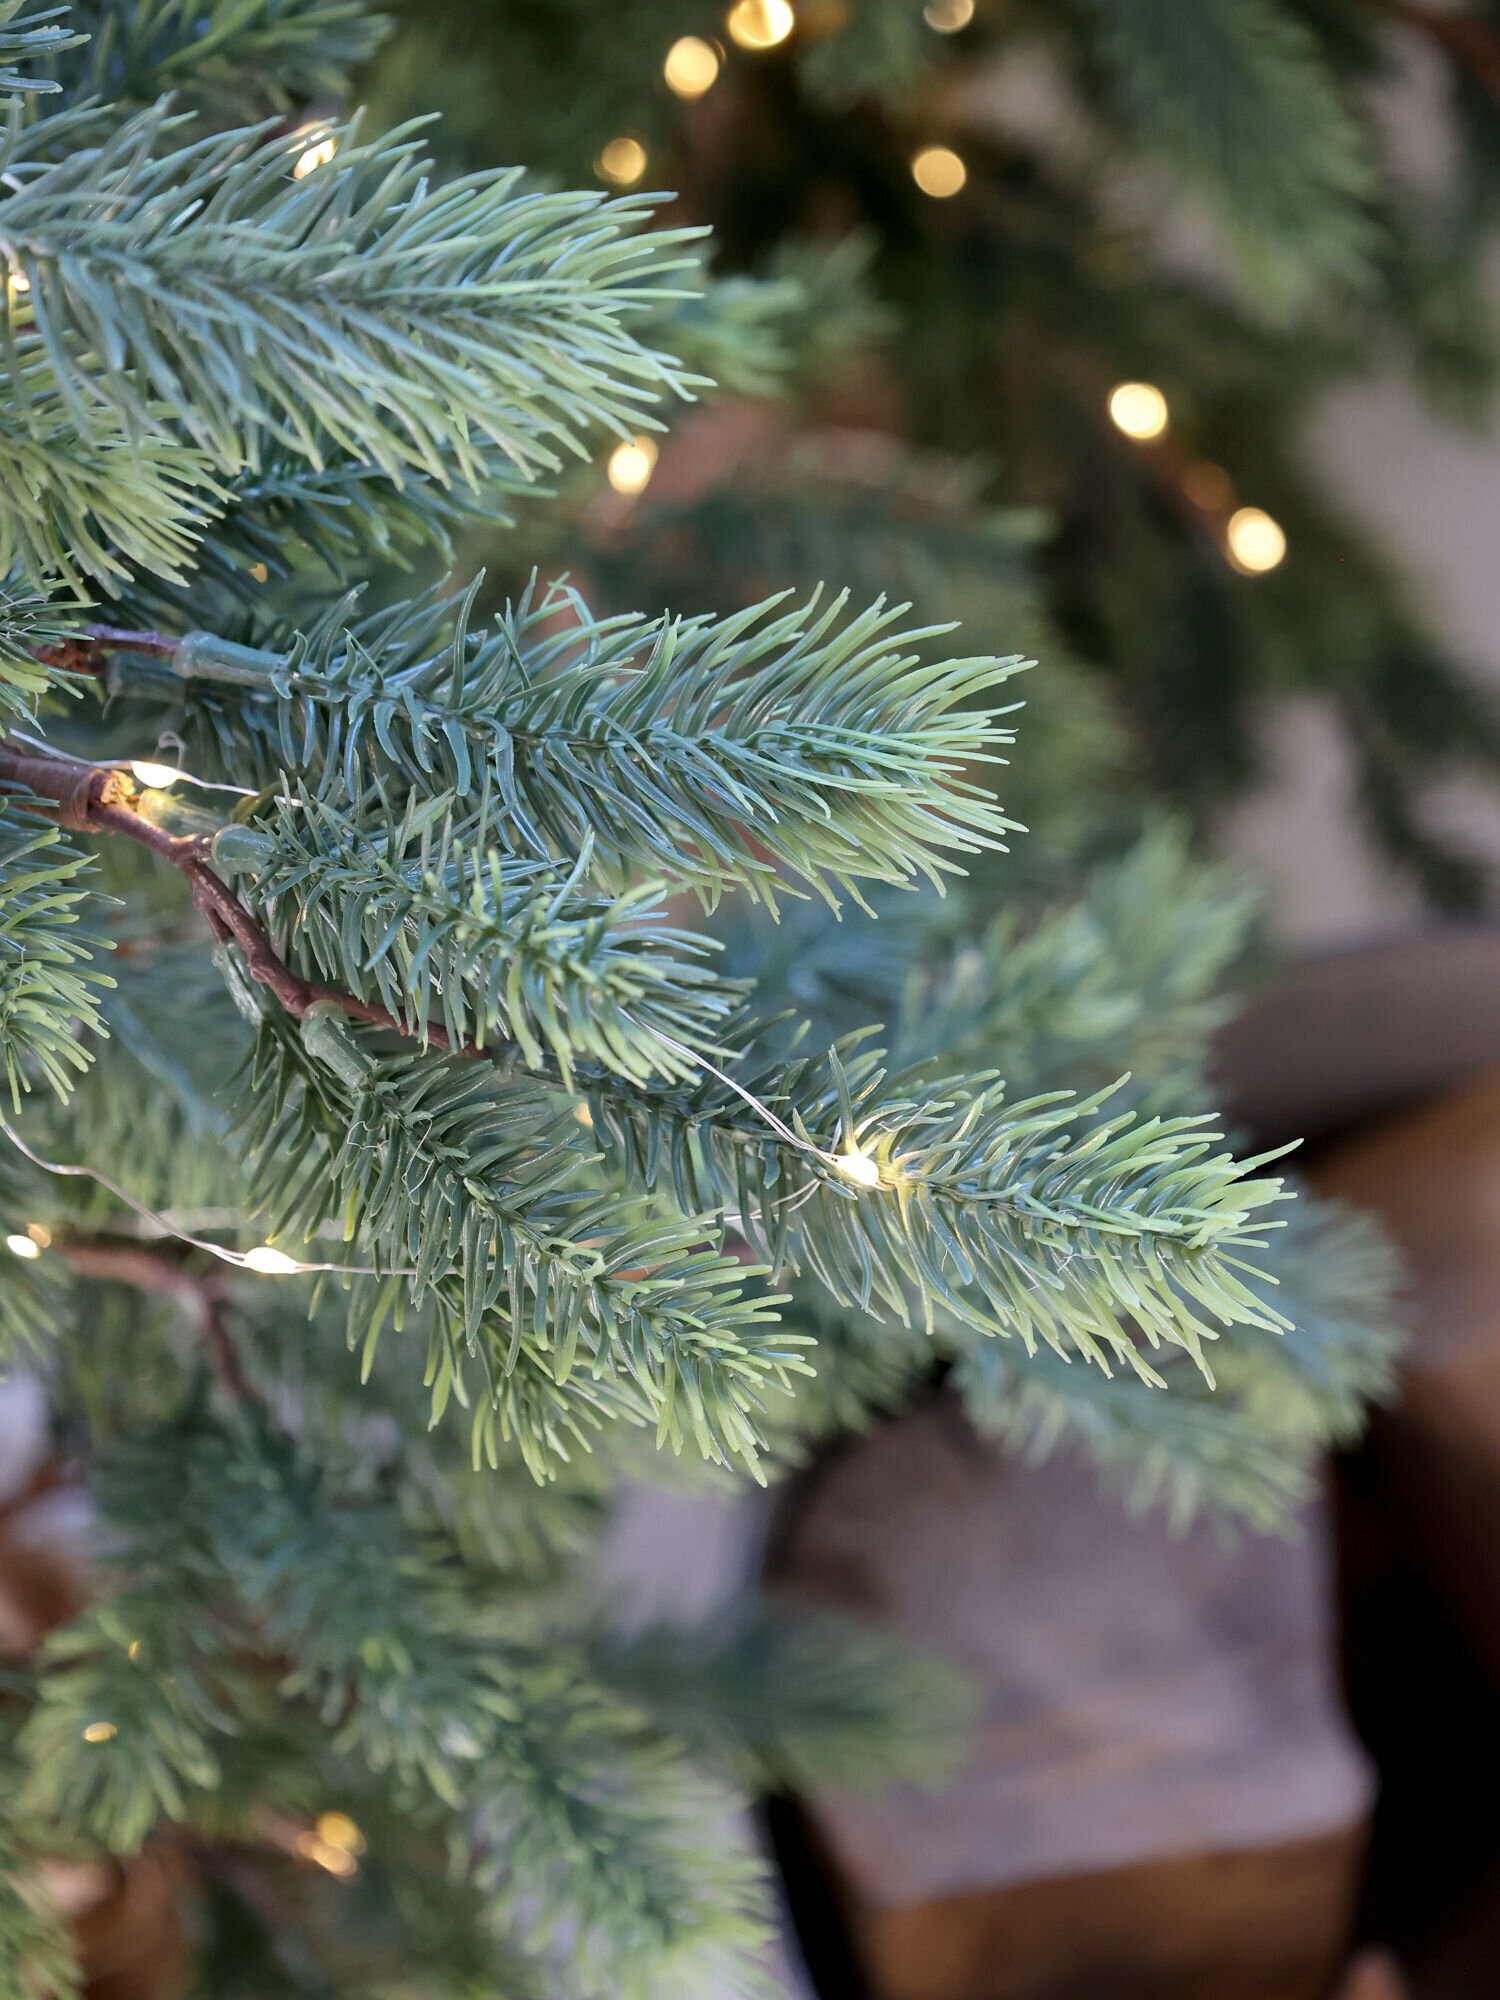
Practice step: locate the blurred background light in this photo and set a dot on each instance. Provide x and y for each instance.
(1139, 410)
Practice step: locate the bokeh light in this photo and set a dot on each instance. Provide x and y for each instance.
(938, 171)
(948, 16)
(691, 66)
(1256, 542)
(1139, 410)
(631, 465)
(622, 161)
(760, 24)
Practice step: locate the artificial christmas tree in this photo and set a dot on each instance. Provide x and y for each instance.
(385, 1168)
(1220, 209)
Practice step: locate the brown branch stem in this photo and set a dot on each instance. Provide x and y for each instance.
(86, 652)
(86, 799)
(201, 1294)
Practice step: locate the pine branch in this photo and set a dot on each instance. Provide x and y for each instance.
(358, 309)
(1234, 96)
(710, 751)
(1048, 1219)
(31, 630)
(1247, 1451)
(425, 909)
(601, 1852)
(47, 973)
(1127, 978)
(94, 505)
(38, 1948)
(787, 1702)
(567, 1300)
(222, 55)
(1187, 1451)
(33, 37)
(32, 1304)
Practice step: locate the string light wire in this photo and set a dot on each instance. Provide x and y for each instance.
(136, 765)
(844, 1163)
(251, 1260)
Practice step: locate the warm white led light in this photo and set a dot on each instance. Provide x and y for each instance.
(271, 1263)
(691, 67)
(760, 24)
(100, 1732)
(337, 1861)
(948, 16)
(631, 465)
(938, 171)
(23, 1246)
(340, 1831)
(159, 777)
(859, 1167)
(1256, 542)
(1139, 409)
(317, 155)
(622, 161)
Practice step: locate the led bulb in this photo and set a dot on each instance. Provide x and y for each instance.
(938, 171)
(19, 282)
(691, 67)
(948, 16)
(1139, 410)
(23, 1246)
(340, 1831)
(271, 1263)
(859, 1167)
(337, 1861)
(40, 1235)
(158, 777)
(317, 155)
(760, 24)
(622, 161)
(1256, 542)
(631, 465)
(100, 1732)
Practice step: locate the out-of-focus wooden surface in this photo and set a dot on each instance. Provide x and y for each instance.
(1162, 1797)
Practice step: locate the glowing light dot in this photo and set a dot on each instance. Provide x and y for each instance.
(23, 1246)
(948, 16)
(40, 1235)
(271, 1263)
(1256, 542)
(317, 155)
(859, 1167)
(1139, 410)
(158, 777)
(938, 171)
(260, 572)
(691, 67)
(19, 282)
(100, 1732)
(337, 1861)
(760, 24)
(134, 1650)
(340, 1831)
(622, 161)
(631, 465)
